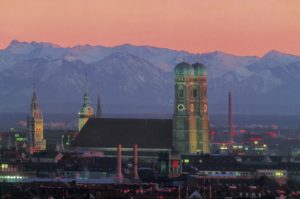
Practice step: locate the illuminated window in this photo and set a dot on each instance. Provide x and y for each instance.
(279, 173)
(4, 166)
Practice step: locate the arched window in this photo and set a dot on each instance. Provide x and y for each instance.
(195, 92)
(181, 94)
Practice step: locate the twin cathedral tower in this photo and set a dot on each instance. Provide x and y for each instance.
(190, 117)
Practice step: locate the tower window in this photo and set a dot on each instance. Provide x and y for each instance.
(195, 92)
(180, 92)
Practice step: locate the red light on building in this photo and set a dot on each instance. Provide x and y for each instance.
(242, 131)
(272, 134)
(212, 133)
(175, 163)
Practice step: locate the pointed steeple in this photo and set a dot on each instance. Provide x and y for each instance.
(86, 98)
(35, 110)
(34, 101)
(35, 125)
(98, 114)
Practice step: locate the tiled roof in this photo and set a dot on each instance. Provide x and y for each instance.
(107, 133)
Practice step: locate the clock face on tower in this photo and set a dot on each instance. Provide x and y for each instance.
(180, 107)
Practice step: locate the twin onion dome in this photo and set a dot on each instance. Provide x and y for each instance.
(185, 68)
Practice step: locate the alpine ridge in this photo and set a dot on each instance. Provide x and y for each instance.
(139, 79)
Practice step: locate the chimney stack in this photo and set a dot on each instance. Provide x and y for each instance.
(136, 175)
(119, 164)
(230, 130)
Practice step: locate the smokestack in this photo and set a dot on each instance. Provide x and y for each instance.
(230, 130)
(136, 175)
(119, 164)
(230, 118)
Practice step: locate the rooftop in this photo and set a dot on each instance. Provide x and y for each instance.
(108, 133)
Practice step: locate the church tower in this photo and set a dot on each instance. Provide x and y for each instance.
(35, 125)
(86, 110)
(190, 119)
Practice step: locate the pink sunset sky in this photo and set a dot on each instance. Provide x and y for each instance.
(242, 27)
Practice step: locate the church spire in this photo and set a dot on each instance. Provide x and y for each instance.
(34, 101)
(86, 97)
(35, 125)
(98, 114)
(35, 110)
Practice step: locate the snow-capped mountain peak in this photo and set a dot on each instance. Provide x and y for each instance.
(128, 76)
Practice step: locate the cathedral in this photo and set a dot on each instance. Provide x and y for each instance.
(35, 128)
(186, 133)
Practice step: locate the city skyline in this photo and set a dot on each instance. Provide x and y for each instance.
(199, 98)
(242, 28)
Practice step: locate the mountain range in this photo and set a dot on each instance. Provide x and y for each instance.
(139, 79)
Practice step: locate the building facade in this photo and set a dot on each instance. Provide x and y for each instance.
(35, 126)
(190, 118)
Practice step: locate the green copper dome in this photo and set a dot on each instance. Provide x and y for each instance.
(199, 69)
(184, 68)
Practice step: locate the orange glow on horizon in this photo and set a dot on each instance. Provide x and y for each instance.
(248, 27)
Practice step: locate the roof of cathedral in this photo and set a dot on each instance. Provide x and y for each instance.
(185, 68)
(108, 133)
(199, 69)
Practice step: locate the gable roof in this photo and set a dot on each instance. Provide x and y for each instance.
(108, 132)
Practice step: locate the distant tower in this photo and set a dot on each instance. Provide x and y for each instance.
(99, 112)
(86, 110)
(35, 125)
(190, 119)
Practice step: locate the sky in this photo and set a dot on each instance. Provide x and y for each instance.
(241, 27)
